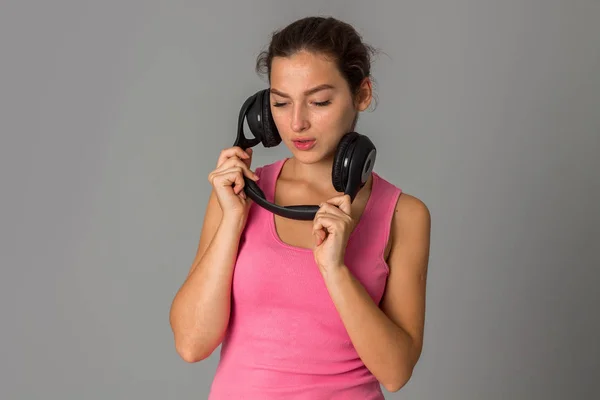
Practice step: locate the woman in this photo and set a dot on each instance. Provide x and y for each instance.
(330, 308)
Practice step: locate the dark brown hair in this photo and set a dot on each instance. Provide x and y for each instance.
(323, 35)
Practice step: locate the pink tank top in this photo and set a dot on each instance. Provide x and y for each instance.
(285, 338)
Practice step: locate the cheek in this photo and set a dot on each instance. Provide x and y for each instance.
(281, 118)
(331, 117)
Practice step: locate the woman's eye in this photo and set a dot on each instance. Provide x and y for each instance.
(316, 103)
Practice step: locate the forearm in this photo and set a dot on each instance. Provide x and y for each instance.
(385, 348)
(200, 310)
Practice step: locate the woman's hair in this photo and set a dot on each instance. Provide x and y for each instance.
(331, 37)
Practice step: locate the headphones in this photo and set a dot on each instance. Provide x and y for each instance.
(352, 165)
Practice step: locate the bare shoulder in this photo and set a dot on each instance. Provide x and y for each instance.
(410, 226)
(411, 213)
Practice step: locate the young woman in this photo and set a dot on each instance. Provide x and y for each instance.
(331, 308)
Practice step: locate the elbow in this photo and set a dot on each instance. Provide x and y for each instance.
(192, 346)
(399, 380)
(396, 384)
(193, 351)
(403, 374)
(190, 357)
(190, 354)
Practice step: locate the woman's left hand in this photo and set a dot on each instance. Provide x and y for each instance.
(332, 227)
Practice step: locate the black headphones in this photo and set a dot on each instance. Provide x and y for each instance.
(352, 164)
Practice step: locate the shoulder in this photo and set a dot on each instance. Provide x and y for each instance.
(408, 209)
(411, 224)
(412, 211)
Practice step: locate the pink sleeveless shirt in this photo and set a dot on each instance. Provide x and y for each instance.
(285, 338)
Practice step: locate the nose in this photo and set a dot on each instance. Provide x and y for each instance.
(299, 121)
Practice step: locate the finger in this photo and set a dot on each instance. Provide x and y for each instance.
(342, 202)
(335, 224)
(248, 160)
(231, 152)
(320, 238)
(319, 232)
(236, 162)
(328, 208)
(325, 222)
(230, 177)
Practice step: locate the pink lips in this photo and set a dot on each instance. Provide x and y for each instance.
(304, 144)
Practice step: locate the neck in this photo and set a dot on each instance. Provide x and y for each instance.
(315, 174)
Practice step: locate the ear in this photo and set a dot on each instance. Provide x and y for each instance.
(364, 95)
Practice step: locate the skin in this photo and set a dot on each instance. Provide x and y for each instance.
(388, 337)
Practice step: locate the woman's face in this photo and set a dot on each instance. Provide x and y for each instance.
(312, 105)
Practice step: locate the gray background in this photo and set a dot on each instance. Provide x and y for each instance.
(113, 113)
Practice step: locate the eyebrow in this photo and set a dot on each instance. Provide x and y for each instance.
(307, 92)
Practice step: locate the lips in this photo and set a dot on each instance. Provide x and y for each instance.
(304, 144)
(304, 139)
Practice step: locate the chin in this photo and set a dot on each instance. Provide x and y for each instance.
(311, 157)
(306, 157)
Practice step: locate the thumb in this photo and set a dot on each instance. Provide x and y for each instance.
(342, 202)
(320, 236)
(248, 161)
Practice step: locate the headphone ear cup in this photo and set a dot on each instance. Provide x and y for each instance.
(353, 163)
(271, 137)
(339, 173)
(260, 120)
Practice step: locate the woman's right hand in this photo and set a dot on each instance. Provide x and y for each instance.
(228, 182)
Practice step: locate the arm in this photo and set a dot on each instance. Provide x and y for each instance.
(389, 339)
(200, 310)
